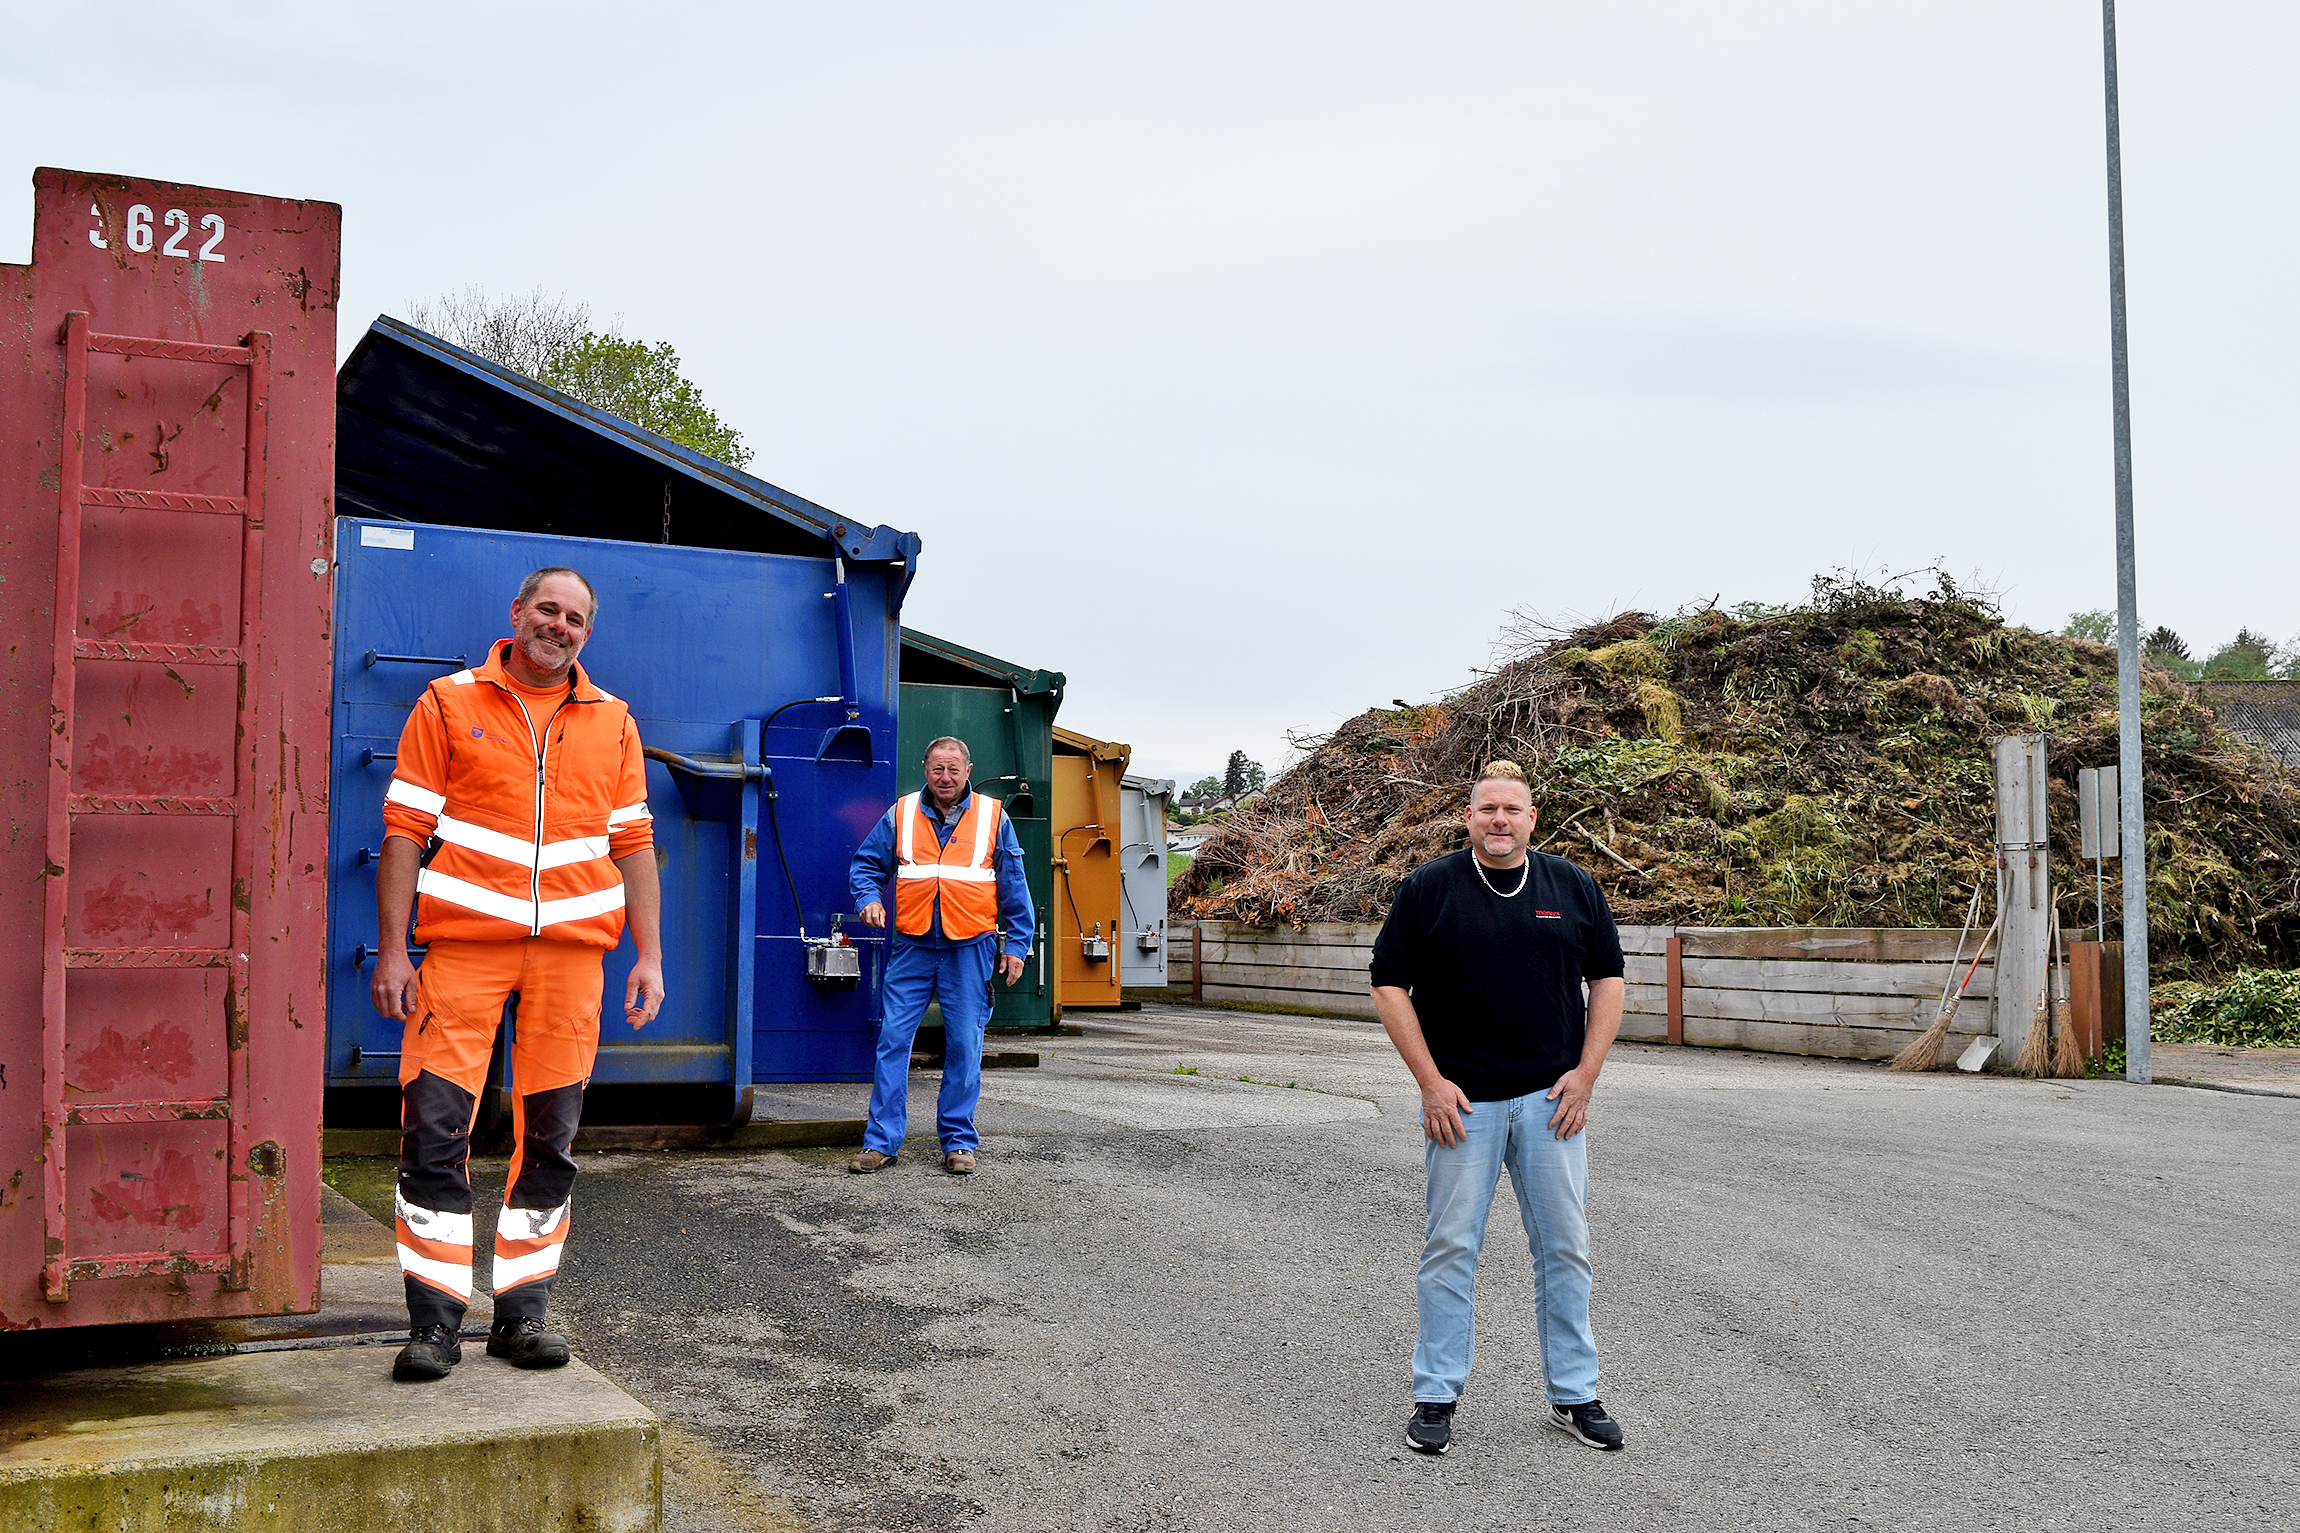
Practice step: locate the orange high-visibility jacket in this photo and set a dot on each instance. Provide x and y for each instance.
(961, 873)
(530, 802)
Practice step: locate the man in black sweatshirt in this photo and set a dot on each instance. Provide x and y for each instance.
(1478, 977)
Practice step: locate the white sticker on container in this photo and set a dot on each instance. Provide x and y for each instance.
(387, 537)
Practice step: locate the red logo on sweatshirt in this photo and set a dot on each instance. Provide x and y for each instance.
(1549, 915)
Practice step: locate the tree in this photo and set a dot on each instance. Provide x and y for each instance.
(642, 383)
(551, 340)
(2247, 657)
(2099, 626)
(1205, 787)
(2163, 644)
(1241, 775)
(525, 332)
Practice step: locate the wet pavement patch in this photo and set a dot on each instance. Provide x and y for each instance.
(753, 1317)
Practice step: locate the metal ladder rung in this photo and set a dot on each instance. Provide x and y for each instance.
(149, 1112)
(165, 500)
(172, 351)
(172, 654)
(148, 1264)
(147, 957)
(149, 803)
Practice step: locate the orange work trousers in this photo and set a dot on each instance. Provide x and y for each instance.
(464, 991)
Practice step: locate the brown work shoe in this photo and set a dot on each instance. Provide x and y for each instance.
(869, 1161)
(959, 1162)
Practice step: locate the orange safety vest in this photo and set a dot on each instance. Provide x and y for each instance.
(526, 805)
(960, 873)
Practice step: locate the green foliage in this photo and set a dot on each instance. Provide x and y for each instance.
(1205, 787)
(2259, 1008)
(1633, 658)
(643, 384)
(1862, 653)
(1241, 775)
(2163, 644)
(2247, 657)
(1612, 765)
(2098, 625)
(551, 340)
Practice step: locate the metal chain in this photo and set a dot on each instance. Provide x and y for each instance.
(1521, 877)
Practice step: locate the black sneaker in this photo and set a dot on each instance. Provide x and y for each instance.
(526, 1344)
(1589, 1423)
(1430, 1428)
(430, 1351)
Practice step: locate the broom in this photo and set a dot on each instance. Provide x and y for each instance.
(1924, 1051)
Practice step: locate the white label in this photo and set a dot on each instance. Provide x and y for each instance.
(387, 537)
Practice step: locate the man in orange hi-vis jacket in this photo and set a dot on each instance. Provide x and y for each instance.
(516, 832)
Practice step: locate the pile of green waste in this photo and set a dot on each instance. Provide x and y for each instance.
(1825, 764)
(2259, 1008)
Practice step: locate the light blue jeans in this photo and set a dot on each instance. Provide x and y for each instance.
(959, 977)
(1551, 1176)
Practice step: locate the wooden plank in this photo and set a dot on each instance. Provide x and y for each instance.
(1647, 998)
(1643, 1027)
(1645, 968)
(1673, 984)
(1823, 977)
(1287, 976)
(1841, 1010)
(1801, 1038)
(1913, 944)
(1316, 934)
(1273, 950)
(1649, 940)
(1352, 1006)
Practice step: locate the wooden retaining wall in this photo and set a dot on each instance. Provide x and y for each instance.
(1839, 993)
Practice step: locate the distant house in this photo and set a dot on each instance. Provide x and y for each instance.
(1216, 804)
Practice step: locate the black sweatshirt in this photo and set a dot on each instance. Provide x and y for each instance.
(1497, 982)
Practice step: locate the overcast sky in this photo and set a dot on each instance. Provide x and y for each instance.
(1251, 363)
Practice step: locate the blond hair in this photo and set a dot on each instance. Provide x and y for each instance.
(1501, 771)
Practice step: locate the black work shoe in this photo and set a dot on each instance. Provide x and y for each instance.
(1430, 1428)
(526, 1344)
(430, 1351)
(1589, 1423)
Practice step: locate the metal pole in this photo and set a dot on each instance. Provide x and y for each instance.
(2135, 848)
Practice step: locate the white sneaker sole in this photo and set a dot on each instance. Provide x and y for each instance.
(1437, 1452)
(1565, 1424)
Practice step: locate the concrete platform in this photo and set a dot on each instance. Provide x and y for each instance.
(313, 1439)
(292, 1422)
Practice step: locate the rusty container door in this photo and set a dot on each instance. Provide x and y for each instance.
(1088, 894)
(167, 429)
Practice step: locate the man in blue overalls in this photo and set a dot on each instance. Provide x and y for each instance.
(956, 868)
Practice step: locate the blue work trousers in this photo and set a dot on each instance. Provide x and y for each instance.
(1551, 1176)
(958, 977)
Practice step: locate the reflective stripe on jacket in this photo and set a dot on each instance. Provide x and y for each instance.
(527, 806)
(960, 873)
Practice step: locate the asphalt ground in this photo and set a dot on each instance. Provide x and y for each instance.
(1827, 1297)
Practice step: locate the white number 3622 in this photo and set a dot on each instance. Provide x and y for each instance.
(137, 233)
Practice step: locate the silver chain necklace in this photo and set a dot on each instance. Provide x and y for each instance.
(1525, 872)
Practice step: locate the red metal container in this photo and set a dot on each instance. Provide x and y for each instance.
(167, 449)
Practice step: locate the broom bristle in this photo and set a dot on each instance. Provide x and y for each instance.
(2036, 1049)
(1924, 1051)
(2068, 1061)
